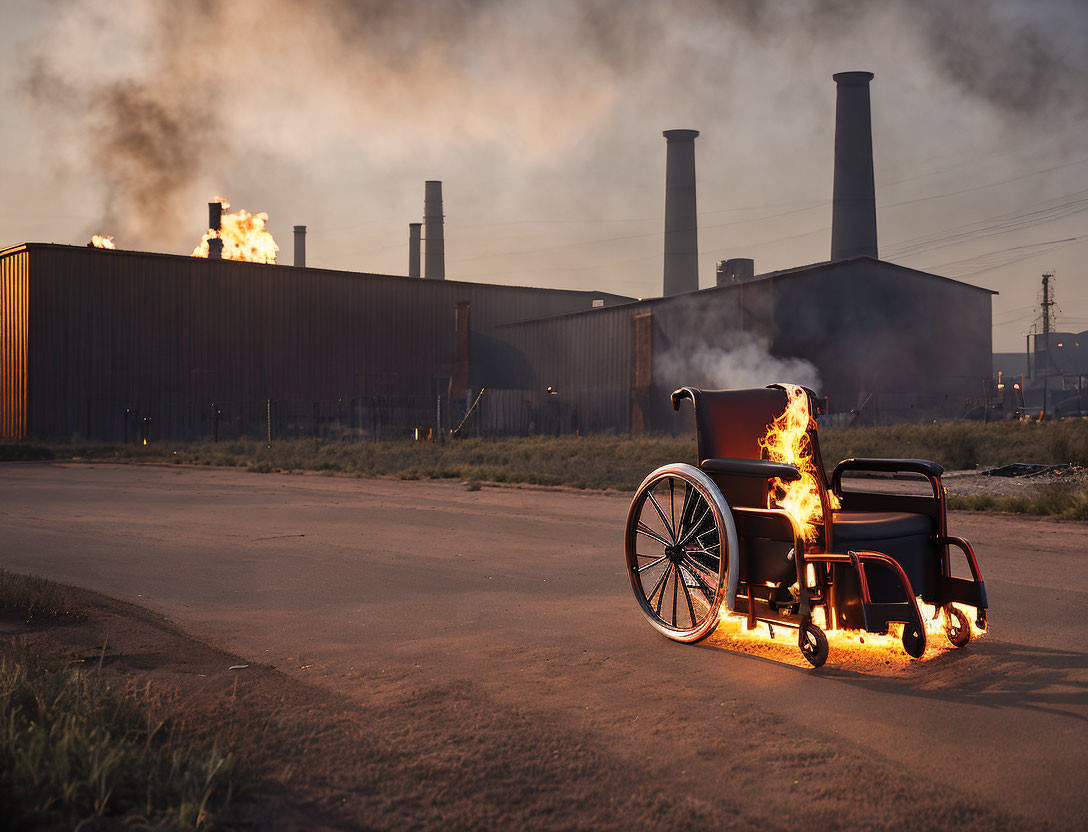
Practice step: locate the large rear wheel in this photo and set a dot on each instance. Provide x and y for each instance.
(678, 540)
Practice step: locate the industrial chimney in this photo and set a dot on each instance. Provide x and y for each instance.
(434, 265)
(681, 232)
(215, 223)
(300, 245)
(413, 248)
(853, 218)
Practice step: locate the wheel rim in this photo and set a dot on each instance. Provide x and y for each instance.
(957, 627)
(674, 555)
(914, 640)
(813, 644)
(809, 645)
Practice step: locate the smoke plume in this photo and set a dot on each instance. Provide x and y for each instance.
(736, 360)
(163, 102)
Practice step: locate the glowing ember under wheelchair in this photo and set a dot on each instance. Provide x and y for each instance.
(698, 537)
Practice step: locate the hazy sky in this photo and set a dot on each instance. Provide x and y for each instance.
(544, 120)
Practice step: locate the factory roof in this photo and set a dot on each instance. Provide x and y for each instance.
(609, 298)
(811, 267)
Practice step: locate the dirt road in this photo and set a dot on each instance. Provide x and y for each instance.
(503, 618)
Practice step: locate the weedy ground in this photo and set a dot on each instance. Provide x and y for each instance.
(81, 745)
(621, 461)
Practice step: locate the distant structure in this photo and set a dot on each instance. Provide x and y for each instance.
(215, 223)
(853, 218)
(414, 233)
(681, 224)
(300, 245)
(735, 270)
(100, 344)
(434, 266)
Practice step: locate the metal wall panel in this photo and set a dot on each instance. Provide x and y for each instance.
(588, 358)
(124, 344)
(13, 345)
(916, 344)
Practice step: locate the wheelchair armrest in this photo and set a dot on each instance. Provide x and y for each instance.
(930, 470)
(751, 468)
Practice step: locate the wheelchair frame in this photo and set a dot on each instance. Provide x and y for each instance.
(836, 582)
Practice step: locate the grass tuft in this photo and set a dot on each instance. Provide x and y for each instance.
(37, 600)
(1050, 501)
(75, 747)
(601, 461)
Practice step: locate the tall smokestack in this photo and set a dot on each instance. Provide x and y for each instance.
(300, 245)
(413, 248)
(681, 231)
(853, 219)
(215, 223)
(434, 264)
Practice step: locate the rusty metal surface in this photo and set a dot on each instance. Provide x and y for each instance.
(13, 345)
(119, 338)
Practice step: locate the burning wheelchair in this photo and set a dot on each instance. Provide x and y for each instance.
(758, 528)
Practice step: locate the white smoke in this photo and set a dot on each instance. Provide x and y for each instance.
(734, 360)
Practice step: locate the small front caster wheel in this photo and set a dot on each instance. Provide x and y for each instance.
(914, 640)
(956, 627)
(813, 644)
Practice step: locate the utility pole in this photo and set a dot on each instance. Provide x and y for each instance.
(1045, 308)
(1047, 304)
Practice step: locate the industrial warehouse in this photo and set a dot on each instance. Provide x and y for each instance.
(116, 345)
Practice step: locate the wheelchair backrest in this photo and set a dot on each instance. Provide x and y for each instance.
(730, 423)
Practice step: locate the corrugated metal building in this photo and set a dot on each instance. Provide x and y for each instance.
(891, 344)
(116, 345)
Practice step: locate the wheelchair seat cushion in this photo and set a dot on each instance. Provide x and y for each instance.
(878, 525)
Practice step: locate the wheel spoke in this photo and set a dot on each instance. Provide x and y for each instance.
(687, 597)
(700, 539)
(686, 508)
(642, 528)
(676, 579)
(657, 562)
(703, 586)
(664, 586)
(691, 532)
(672, 507)
(660, 582)
(661, 514)
(692, 563)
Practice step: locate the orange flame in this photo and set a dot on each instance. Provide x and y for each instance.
(102, 241)
(855, 649)
(244, 237)
(787, 440)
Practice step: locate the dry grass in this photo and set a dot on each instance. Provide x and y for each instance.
(959, 445)
(611, 461)
(37, 600)
(76, 747)
(1050, 501)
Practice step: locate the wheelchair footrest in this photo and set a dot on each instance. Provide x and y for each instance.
(964, 591)
(879, 615)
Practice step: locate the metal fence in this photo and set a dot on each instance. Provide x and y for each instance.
(367, 418)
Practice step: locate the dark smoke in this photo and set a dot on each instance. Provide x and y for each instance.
(480, 69)
(1025, 58)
